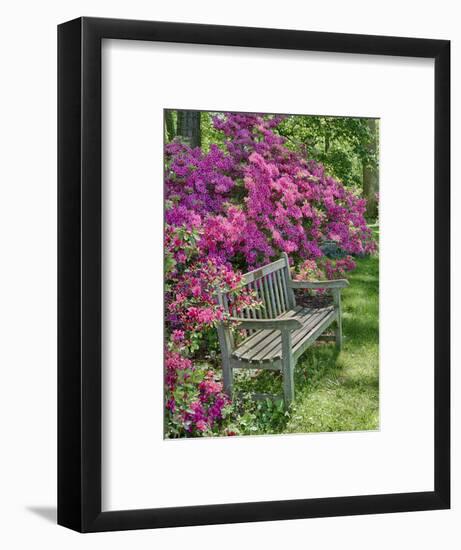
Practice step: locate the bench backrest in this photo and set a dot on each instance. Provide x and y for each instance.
(270, 284)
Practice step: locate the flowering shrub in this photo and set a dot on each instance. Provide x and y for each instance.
(257, 198)
(325, 268)
(335, 269)
(308, 270)
(192, 309)
(195, 402)
(229, 210)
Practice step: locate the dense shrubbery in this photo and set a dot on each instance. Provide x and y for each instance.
(229, 210)
(195, 401)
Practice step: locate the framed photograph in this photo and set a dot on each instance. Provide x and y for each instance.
(254, 274)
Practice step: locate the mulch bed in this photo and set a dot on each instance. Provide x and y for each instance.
(316, 300)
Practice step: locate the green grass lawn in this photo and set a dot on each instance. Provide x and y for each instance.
(333, 391)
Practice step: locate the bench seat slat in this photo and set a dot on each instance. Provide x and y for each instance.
(264, 336)
(313, 335)
(256, 352)
(267, 340)
(310, 318)
(266, 345)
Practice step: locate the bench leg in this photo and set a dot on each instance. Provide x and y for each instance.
(339, 321)
(227, 376)
(288, 368)
(226, 345)
(288, 384)
(339, 333)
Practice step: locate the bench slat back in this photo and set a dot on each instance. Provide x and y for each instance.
(270, 284)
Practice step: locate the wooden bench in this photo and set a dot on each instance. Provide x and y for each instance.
(277, 334)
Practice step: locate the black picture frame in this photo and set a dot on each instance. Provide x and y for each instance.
(79, 274)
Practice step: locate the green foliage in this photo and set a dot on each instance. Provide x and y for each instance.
(339, 143)
(209, 133)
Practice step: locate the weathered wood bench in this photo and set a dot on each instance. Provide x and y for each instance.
(276, 335)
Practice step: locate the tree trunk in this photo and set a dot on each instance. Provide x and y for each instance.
(188, 127)
(370, 171)
(169, 125)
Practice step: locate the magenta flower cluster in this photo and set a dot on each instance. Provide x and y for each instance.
(195, 401)
(192, 281)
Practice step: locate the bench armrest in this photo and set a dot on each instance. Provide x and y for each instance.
(334, 283)
(270, 324)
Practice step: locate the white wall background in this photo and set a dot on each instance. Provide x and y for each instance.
(28, 273)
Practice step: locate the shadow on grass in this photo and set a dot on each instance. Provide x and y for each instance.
(362, 382)
(358, 333)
